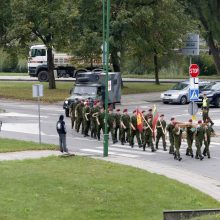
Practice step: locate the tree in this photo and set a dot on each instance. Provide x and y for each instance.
(159, 29)
(208, 13)
(47, 20)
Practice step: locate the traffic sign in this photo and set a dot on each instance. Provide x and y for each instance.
(194, 70)
(194, 83)
(193, 108)
(194, 94)
(191, 45)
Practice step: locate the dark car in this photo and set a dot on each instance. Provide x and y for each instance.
(213, 93)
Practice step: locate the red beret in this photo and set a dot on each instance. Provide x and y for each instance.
(162, 115)
(125, 110)
(190, 120)
(200, 122)
(118, 110)
(150, 110)
(172, 119)
(134, 111)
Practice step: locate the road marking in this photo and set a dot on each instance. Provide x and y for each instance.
(14, 114)
(110, 152)
(27, 128)
(132, 151)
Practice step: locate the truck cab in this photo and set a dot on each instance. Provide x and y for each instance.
(91, 86)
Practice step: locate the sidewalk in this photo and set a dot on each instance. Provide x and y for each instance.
(204, 184)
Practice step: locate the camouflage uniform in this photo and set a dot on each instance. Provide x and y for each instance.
(161, 129)
(86, 119)
(208, 131)
(170, 128)
(101, 125)
(72, 114)
(79, 116)
(134, 132)
(148, 135)
(199, 137)
(177, 136)
(125, 131)
(94, 125)
(117, 125)
(111, 125)
(190, 131)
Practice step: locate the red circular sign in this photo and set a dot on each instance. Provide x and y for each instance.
(194, 70)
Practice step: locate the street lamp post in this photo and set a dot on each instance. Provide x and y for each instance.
(106, 21)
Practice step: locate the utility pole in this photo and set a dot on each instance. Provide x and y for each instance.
(106, 21)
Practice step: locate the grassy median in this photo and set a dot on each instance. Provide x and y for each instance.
(23, 90)
(58, 188)
(207, 217)
(9, 145)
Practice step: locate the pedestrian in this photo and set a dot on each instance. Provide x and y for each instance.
(111, 124)
(161, 132)
(177, 136)
(117, 125)
(199, 137)
(72, 113)
(86, 118)
(207, 138)
(79, 116)
(125, 127)
(170, 128)
(61, 130)
(190, 133)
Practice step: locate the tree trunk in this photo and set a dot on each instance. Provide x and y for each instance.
(115, 60)
(214, 51)
(50, 63)
(156, 69)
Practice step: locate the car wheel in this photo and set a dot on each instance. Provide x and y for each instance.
(217, 102)
(43, 76)
(67, 112)
(183, 100)
(164, 102)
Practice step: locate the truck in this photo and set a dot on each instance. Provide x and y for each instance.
(37, 64)
(91, 86)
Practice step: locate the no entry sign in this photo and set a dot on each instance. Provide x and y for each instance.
(194, 70)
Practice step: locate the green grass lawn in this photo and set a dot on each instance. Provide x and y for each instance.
(8, 145)
(79, 188)
(23, 90)
(13, 74)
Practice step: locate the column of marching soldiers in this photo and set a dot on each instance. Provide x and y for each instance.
(123, 128)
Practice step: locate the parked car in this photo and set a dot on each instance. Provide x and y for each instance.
(180, 93)
(213, 93)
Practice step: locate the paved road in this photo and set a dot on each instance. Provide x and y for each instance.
(34, 79)
(20, 121)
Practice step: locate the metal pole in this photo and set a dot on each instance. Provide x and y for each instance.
(38, 98)
(190, 60)
(106, 7)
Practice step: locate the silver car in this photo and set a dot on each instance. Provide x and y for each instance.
(179, 93)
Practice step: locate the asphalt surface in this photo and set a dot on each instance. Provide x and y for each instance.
(20, 121)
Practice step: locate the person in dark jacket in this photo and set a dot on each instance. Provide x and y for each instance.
(61, 130)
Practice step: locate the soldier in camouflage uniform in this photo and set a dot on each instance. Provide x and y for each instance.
(199, 137)
(101, 122)
(117, 125)
(134, 131)
(143, 133)
(94, 114)
(170, 128)
(161, 132)
(177, 136)
(79, 116)
(208, 132)
(125, 126)
(86, 119)
(112, 124)
(148, 134)
(190, 133)
(72, 113)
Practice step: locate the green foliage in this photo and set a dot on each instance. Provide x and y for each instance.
(207, 65)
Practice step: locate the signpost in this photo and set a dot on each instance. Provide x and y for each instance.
(37, 90)
(194, 89)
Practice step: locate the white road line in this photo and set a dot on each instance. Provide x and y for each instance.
(110, 152)
(132, 151)
(15, 114)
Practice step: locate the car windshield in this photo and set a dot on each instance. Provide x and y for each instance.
(82, 90)
(180, 86)
(212, 86)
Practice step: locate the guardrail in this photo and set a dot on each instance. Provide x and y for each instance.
(188, 214)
